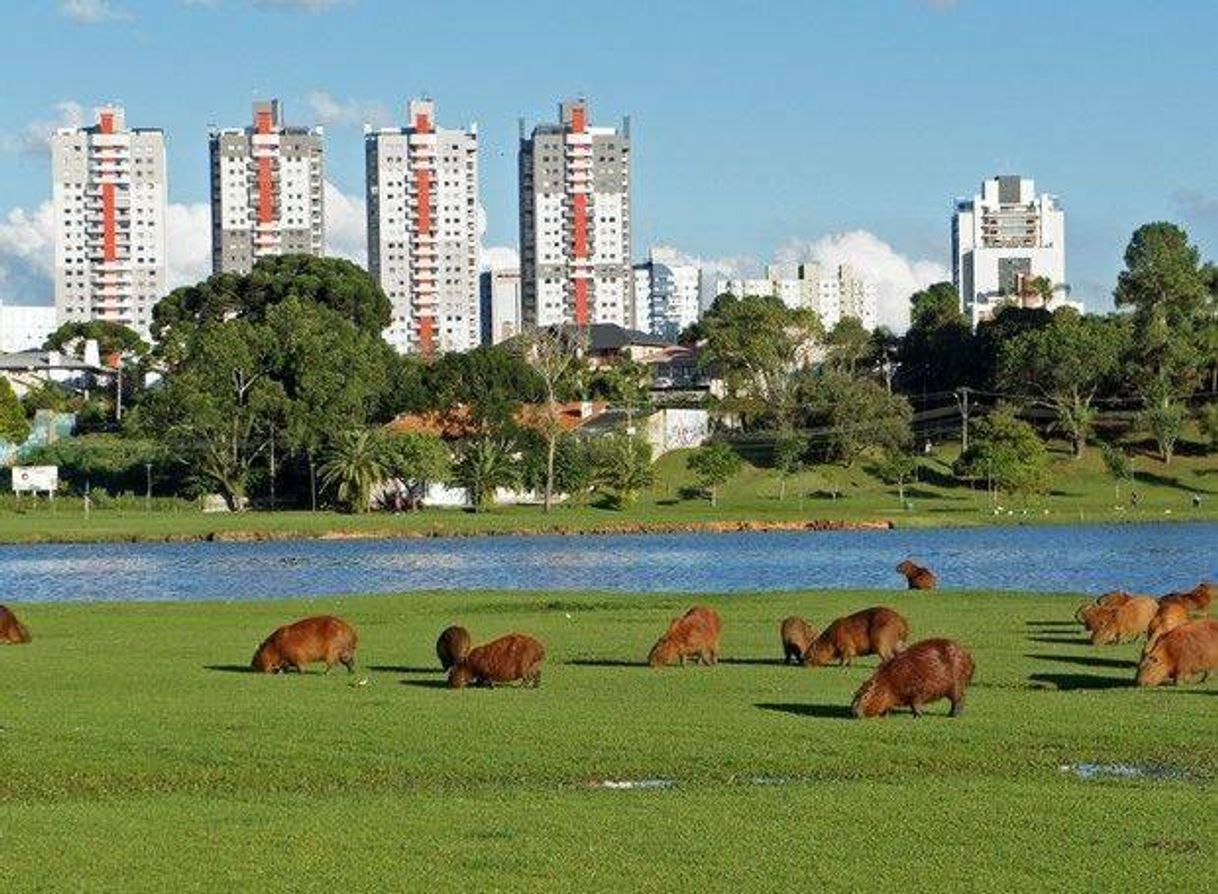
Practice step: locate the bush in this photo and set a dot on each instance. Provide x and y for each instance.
(1007, 453)
(622, 468)
(714, 465)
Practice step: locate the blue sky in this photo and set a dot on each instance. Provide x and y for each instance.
(760, 128)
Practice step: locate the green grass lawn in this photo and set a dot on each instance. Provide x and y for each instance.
(1082, 491)
(137, 754)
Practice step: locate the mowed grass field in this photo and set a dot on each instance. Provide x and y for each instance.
(137, 754)
(1082, 491)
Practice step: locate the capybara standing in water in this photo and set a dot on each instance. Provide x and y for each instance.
(1179, 654)
(453, 645)
(923, 673)
(694, 634)
(917, 577)
(12, 631)
(879, 631)
(292, 647)
(516, 656)
(1171, 614)
(797, 635)
(1125, 621)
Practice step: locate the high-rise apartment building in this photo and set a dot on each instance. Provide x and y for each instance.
(267, 191)
(832, 295)
(575, 222)
(108, 200)
(1000, 238)
(666, 293)
(856, 297)
(422, 187)
(500, 304)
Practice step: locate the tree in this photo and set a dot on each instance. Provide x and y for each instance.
(1207, 420)
(1007, 453)
(1119, 466)
(417, 460)
(622, 468)
(1063, 366)
(936, 353)
(858, 415)
(848, 344)
(355, 463)
(491, 380)
(897, 467)
(713, 465)
(111, 338)
(486, 463)
(1164, 417)
(626, 384)
(13, 425)
(553, 354)
(112, 462)
(790, 448)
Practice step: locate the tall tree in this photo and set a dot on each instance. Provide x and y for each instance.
(1006, 453)
(848, 344)
(13, 425)
(1063, 365)
(622, 468)
(355, 463)
(714, 465)
(856, 415)
(111, 338)
(936, 353)
(553, 353)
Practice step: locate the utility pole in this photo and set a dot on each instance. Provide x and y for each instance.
(962, 402)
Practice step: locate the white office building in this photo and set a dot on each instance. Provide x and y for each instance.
(667, 294)
(500, 304)
(109, 189)
(831, 294)
(1002, 237)
(422, 188)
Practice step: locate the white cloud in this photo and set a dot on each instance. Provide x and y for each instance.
(35, 137)
(187, 243)
(895, 276)
(346, 226)
(350, 113)
(27, 254)
(304, 5)
(91, 12)
(1196, 205)
(498, 257)
(727, 267)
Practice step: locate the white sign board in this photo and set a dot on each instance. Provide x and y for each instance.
(37, 479)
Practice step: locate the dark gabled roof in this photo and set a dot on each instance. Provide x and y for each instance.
(611, 337)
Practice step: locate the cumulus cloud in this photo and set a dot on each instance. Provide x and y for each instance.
(27, 256)
(35, 137)
(91, 12)
(187, 243)
(895, 276)
(346, 225)
(348, 113)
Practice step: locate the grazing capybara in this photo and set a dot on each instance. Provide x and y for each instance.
(292, 647)
(1179, 654)
(917, 577)
(1195, 601)
(1171, 614)
(879, 631)
(923, 673)
(694, 634)
(516, 656)
(797, 635)
(453, 645)
(12, 631)
(1125, 621)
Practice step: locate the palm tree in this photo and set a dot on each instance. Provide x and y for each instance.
(486, 464)
(356, 462)
(623, 468)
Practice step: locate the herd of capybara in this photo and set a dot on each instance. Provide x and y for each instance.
(1181, 645)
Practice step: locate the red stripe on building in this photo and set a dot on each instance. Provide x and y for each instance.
(264, 122)
(579, 225)
(422, 123)
(105, 122)
(109, 237)
(427, 336)
(422, 185)
(579, 119)
(266, 191)
(581, 302)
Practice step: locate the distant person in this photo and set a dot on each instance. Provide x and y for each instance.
(1196, 501)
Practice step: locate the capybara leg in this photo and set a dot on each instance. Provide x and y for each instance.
(348, 659)
(957, 705)
(913, 706)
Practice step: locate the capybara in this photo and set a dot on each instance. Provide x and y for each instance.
(1179, 654)
(879, 631)
(923, 673)
(453, 645)
(323, 638)
(12, 631)
(1196, 601)
(1125, 621)
(1171, 614)
(516, 656)
(797, 635)
(694, 634)
(917, 577)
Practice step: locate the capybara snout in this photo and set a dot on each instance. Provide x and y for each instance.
(508, 659)
(292, 647)
(925, 672)
(12, 631)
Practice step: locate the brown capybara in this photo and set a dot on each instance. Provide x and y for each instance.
(1196, 601)
(1179, 654)
(292, 647)
(1171, 614)
(453, 645)
(516, 656)
(796, 635)
(694, 634)
(923, 673)
(1125, 621)
(917, 577)
(879, 631)
(12, 631)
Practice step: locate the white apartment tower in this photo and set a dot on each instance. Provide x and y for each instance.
(500, 304)
(1002, 236)
(267, 191)
(422, 187)
(832, 294)
(667, 293)
(108, 199)
(575, 222)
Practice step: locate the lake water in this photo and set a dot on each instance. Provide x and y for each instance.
(1086, 558)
